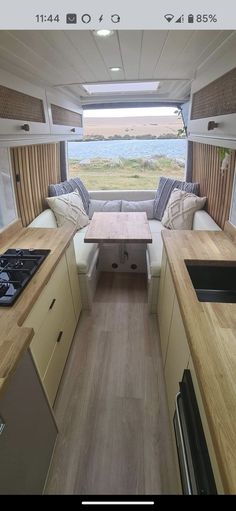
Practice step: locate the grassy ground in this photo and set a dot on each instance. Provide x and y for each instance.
(125, 174)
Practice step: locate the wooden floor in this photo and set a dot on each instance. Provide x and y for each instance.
(111, 408)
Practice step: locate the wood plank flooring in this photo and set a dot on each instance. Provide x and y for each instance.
(111, 407)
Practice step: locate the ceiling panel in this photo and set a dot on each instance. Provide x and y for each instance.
(130, 45)
(70, 58)
(173, 47)
(152, 45)
(83, 42)
(110, 52)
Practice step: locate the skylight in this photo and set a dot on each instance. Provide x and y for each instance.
(122, 87)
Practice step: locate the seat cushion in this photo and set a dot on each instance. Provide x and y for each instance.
(103, 205)
(139, 206)
(155, 254)
(84, 252)
(155, 226)
(45, 219)
(203, 221)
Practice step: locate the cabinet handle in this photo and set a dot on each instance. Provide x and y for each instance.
(25, 127)
(59, 336)
(72, 130)
(52, 304)
(212, 125)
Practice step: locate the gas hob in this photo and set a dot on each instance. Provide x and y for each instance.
(17, 267)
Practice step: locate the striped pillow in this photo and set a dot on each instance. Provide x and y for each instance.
(166, 186)
(70, 186)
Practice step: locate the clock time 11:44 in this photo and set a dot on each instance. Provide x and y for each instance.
(42, 18)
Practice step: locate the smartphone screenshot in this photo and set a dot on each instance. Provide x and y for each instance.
(118, 249)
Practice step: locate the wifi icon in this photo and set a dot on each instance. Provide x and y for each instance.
(169, 17)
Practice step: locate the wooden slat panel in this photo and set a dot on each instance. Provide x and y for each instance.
(34, 168)
(214, 184)
(217, 98)
(65, 117)
(16, 105)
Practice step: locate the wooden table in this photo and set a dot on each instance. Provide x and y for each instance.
(118, 228)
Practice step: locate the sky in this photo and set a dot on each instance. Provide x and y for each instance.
(131, 112)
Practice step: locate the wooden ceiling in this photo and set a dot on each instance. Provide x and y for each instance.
(67, 59)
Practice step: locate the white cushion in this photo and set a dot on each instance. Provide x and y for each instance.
(68, 208)
(138, 206)
(84, 252)
(155, 225)
(203, 221)
(103, 205)
(155, 254)
(180, 209)
(45, 219)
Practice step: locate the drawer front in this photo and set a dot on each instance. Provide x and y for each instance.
(52, 293)
(45, 339)
(74, 279)
(57, 362)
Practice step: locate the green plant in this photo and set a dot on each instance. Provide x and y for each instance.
(222, 151)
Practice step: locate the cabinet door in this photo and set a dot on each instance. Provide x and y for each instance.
(23, 108)
(74, 279)
(177, 357)
(27, 441)
(206, 430)
(65, 116)
(57, 362)
(165, 309)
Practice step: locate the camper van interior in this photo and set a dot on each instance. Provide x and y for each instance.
(117, 307)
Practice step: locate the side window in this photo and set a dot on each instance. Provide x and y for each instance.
(8, 211)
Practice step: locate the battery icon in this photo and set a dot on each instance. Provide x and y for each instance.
(190, 18)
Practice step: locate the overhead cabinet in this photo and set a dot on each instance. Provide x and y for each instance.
(213, 109)
(65, 117)
(23, 108)
(27, 110)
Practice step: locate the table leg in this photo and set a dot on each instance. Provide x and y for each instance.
(123, 253)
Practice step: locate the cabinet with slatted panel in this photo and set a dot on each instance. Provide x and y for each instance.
(23, 108)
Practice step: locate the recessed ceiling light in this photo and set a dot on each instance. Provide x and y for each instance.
(103, 32)
(115, 69)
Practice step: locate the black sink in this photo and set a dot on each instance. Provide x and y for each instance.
(213, 281)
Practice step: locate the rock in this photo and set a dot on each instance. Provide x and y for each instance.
(85, 162)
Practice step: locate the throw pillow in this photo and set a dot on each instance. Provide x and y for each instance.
(180, 209)
(166, 185)
(139, 206)
(70, 186)
(68, 208)
(103, 205)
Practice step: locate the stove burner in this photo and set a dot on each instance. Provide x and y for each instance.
(17, 267)
(4, 286)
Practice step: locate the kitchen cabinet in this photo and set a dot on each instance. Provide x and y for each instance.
(54, 318)
(177, 358)
(23, 108)
(28, 437)
(165, 304)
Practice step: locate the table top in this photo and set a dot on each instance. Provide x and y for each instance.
(106, 227)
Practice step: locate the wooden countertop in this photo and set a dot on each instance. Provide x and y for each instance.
(14, 339)
(211, 333)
